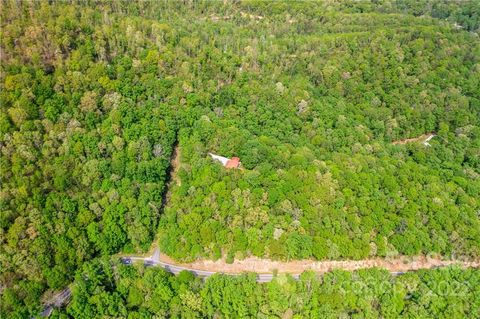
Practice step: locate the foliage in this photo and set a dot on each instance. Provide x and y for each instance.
(310, 95)
(312, 109)
(86, 141)
(138, 292)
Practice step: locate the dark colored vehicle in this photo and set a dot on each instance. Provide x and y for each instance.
(126, 261)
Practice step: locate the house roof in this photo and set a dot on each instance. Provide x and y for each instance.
(221, 159)
(233, 163)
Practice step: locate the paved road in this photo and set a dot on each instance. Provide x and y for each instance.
(154, 261)
(57, 301)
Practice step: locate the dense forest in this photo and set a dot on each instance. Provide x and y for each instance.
(311, 105)
(103, 291)
(94, 96)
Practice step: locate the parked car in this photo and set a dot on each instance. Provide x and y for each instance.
(126, 261)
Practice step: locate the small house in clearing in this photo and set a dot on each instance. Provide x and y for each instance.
(233, 162)
(424, 137)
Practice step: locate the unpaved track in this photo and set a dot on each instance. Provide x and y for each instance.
(265, 266)
(422, 138)
(258, 265)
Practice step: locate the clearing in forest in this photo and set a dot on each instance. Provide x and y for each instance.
(424, 138)
(259, 265)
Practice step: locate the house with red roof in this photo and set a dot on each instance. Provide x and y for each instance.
(233, 162)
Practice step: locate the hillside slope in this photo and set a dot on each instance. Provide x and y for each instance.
(310, 96)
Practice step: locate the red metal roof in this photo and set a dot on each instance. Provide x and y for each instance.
(233, 163)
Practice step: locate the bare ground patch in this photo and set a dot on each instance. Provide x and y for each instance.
(422, 138)
(258, 265)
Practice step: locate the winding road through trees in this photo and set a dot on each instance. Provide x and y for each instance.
(266, 269)
(204, 269)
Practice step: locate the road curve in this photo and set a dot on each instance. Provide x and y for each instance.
(64, 296)
(56, 301)
(174, 269)
(154, 260)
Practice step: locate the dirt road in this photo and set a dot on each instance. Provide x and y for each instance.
(265, 266)
(424, 138)
(258, 265)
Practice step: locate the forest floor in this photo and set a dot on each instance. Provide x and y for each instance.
(421, 138)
